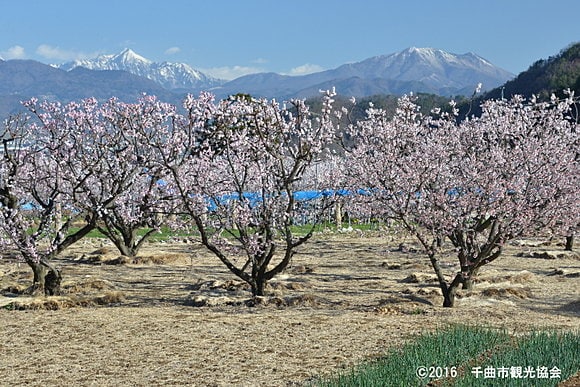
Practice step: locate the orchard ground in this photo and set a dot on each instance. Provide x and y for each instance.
(177, 316)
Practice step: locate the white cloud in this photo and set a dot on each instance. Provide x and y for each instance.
(172, 50)
(50, 52)
(260, 61)
(231, 72)
(14, 52)
(305, 69)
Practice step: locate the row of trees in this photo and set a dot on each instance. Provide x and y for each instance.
(228, 171)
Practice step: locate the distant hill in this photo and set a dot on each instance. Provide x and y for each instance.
(545, 76)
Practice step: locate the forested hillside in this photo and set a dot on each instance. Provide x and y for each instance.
(542, 79)
(546, 76)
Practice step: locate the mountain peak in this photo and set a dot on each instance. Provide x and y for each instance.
(448, 70)
(432, 55)
(420, 50)
(169, 75)
(128, 55)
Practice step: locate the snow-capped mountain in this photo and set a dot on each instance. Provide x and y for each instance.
(21, 80)
(414, 69)
(435, 68)
(172, 76)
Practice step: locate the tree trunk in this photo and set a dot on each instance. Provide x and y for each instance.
(124, 240)
(125, 249)
(569, 242)
(449, 298)
(258, 286)
(468, 282)
(450, 291)
(338, 214)
(39, 271)
(46, 279)
(447, 290)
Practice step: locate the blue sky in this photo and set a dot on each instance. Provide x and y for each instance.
(231, 38)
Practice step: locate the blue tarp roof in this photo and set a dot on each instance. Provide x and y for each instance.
(301, 196)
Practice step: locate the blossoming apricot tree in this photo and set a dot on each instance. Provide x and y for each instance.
(84, 164)
(235, 166)
(479, 183)
(35, 194)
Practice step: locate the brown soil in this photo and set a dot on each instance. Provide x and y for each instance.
(176, 316)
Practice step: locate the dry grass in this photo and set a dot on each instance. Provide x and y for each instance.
(65, 302)
(165, 319)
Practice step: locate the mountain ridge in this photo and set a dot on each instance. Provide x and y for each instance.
(414, 69)
(124, 75)
(172, 76)
(23, 79)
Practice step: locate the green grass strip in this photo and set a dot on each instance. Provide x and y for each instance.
(540, 359)
(438, 354)
(165, 234)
